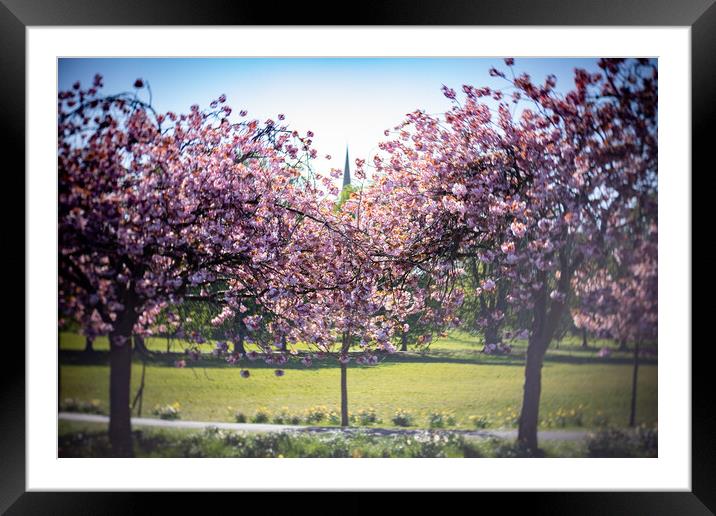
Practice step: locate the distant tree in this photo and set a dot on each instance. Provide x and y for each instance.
(620, 299)
(346, 192)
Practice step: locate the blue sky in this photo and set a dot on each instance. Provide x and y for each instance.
(344, 101)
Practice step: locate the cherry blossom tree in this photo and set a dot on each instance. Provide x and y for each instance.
(155, 207)
(528, 186)
(357, 293)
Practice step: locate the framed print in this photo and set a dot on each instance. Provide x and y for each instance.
(420, 250)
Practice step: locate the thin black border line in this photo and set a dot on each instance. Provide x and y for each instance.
(16, 15)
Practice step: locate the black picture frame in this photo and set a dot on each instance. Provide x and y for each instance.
(17, 15)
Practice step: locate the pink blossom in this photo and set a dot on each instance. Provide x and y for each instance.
(448, 92)
(459, 190)
(518, 229)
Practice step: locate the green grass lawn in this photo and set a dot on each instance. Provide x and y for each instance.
(452, 376)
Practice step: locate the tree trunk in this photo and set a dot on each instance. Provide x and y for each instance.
(529, 415)
(120, 370)
(89, 342)
(632, 414)
(344, 382)
(492, 334)
(404, 342)
(139, 345)
(344, 395)
(492, 329)
(283, 343)
(239, 343)
(544, 326)
(584, 338)
(622, 345)
(536, 348)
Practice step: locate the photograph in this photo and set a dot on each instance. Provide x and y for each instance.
(357, 257)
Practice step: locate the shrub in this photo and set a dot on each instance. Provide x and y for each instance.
(437, 445)
(172, 411)
(402, 418)
(479, 421)
(614, 442)
(272, 444)
(316, 414)
(610, 442)
(286, 418)
(282, 417)
(565, 417)
(261, 415)
(213, 442)
(240, 417)
(334, 418)
(366, 417)
(441, 419)
(511, 417)
(213, 431)
(647, 439)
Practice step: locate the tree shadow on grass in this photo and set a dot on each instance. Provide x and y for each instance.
(571, 359)
(101, 358)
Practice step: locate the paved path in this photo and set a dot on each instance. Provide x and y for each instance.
(549, 435)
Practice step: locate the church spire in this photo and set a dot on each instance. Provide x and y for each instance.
(347, 171)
